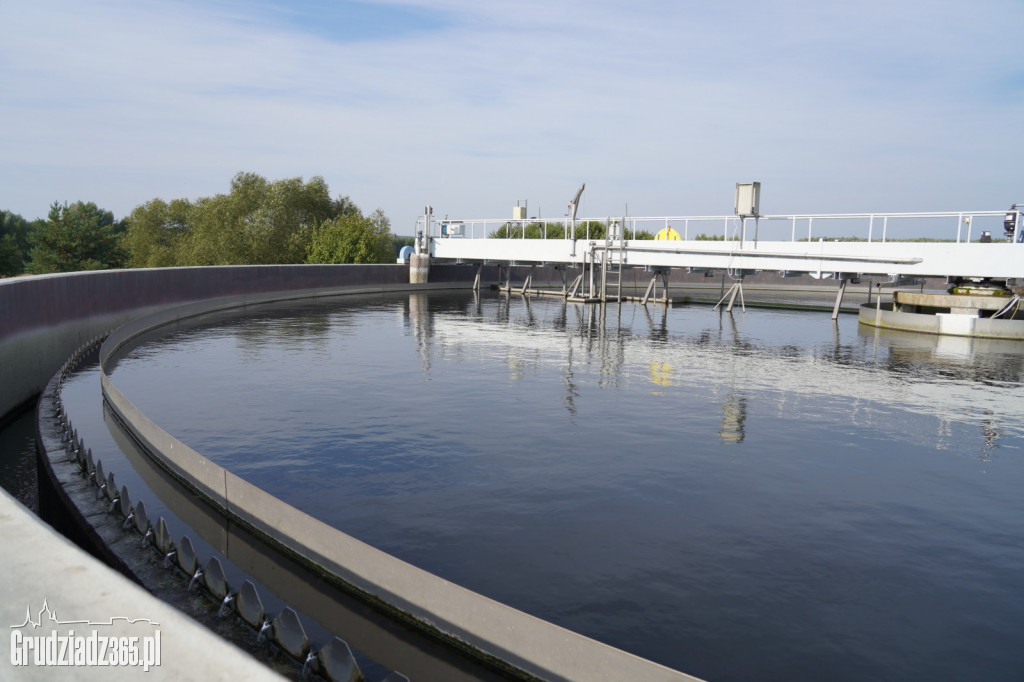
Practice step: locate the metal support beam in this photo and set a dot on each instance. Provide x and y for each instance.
(647, 294)
(528, 281)
(736, 288)
(839, 297)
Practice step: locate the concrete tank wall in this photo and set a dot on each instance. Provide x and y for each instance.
(943, 323)
(44, 319)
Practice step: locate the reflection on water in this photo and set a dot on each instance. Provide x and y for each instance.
(740, 496)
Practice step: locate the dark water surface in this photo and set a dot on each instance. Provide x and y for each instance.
(18, 459)
(764, 495)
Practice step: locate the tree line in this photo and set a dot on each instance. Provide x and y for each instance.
(589, 229)
(256, 222)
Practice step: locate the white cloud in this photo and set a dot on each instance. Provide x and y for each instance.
(833, 106)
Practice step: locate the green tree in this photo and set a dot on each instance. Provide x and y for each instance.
(352, 238)
(79, 236)
(156, 232)
(14, 244)
(10, 259)
(398, 243)
(258, 222)
(591, 229)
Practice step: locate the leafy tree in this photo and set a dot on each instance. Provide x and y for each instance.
(10, 258)
(591, 229)
(14, 244)
(259, 222)
(79, 236)
(399, 242)
(156, 232)
(352, 238)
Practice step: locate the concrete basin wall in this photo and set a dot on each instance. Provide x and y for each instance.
(943, 323)
(44, 319)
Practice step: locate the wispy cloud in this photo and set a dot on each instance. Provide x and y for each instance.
(864, 105)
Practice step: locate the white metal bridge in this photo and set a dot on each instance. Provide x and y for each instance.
(961, 245)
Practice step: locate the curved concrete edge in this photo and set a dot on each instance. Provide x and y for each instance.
(885, 317)
(45, 318)
(124, 333)
(467, 619)
(41, 566)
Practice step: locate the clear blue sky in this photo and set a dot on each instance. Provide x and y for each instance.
(470, 105)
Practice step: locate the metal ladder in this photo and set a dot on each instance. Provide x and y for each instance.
(612, 265)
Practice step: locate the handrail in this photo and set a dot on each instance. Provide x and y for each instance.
(738, 227)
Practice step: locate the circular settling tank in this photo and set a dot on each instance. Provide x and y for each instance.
(759, 495)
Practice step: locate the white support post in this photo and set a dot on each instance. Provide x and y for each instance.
(839, 298)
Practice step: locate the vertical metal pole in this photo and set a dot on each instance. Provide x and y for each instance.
(871, 225)
(878, 304)
(593, 256)
(885, 230)
(792, 232)
(604, 275)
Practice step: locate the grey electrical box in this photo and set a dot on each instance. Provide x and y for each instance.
(748, 198)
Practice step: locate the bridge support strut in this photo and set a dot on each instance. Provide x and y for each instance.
(736, 288)
(839, 298)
